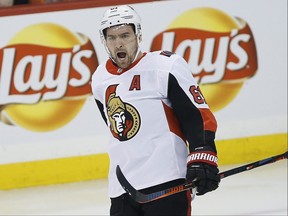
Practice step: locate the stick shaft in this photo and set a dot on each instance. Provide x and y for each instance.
(144, 198)
(254, 165)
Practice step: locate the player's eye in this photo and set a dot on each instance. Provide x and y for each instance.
(125, 36)
(111, 38)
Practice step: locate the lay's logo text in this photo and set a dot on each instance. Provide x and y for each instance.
(31, 73)
(47, 75)
(219, 49)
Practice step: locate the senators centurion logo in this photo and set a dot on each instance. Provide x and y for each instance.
(123, 117)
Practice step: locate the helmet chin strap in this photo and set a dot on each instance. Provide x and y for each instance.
(108, 52)
(137, 53)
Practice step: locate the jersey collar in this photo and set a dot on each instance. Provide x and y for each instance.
(112, 68)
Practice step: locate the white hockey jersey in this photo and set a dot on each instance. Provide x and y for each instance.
(152, 109)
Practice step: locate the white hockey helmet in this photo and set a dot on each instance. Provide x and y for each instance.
(120, 15)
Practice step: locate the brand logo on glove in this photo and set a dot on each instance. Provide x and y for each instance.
(207, 157)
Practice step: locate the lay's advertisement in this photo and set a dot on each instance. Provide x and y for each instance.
(45, 74)
(221, 51)
(51, 130)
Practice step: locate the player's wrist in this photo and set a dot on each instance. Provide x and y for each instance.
(202, 155)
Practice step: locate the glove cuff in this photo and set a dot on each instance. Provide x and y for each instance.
(203, 155)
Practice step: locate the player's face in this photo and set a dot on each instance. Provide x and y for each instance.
(119, 119)
(122, 44)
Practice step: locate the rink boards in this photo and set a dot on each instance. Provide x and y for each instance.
(56, 134)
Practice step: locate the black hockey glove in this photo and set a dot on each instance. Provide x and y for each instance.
(202, 169)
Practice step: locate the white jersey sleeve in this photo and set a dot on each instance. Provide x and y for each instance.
(184, 96)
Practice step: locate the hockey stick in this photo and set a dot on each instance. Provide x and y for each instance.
(144, 198)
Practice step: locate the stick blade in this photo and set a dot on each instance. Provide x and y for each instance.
(136, 195)
(145, 198)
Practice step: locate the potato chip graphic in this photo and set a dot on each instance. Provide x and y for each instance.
(220, 50)
(73, 59)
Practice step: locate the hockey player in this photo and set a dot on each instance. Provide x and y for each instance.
(154, 108)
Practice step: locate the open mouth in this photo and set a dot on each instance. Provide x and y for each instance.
(121, 55)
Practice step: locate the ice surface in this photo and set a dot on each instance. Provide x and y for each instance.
(261, 191)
